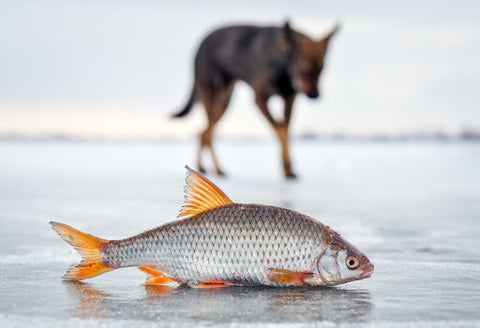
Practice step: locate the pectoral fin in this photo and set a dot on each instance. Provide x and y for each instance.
(289, 278)
(155, 276)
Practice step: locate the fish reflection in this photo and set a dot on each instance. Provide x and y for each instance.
(159, 290)
(223, 305)
(90, 299)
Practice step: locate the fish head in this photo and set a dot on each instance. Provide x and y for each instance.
(341, 262)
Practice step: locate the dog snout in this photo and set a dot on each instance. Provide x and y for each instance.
(313, 94)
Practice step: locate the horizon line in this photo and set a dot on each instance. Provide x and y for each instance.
(464, 135)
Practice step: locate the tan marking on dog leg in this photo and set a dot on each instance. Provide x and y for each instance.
(282, 133)
(284, 138)
(261, 102)
(280, 129)
(215, 111)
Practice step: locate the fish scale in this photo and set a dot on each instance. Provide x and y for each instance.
(235, 243)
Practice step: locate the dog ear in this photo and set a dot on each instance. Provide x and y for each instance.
(287, 38)
(334, 31)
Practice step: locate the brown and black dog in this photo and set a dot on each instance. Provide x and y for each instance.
(272, 60)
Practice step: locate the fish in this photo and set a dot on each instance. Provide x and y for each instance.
(217, 243)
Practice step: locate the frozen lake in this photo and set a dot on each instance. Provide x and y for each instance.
(413, 208)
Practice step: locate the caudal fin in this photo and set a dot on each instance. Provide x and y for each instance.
(89, 247)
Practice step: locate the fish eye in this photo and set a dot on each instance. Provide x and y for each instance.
(352, 262)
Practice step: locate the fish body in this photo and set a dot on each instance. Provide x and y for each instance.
(235, 243)
(222, 243)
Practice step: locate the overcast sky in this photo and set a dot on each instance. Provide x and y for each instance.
(118, 68)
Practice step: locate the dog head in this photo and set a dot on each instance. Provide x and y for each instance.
(306, 58)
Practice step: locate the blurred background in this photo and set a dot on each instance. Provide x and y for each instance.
(117, 69)
(388, 156)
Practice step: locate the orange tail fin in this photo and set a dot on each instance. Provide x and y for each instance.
(89, 247)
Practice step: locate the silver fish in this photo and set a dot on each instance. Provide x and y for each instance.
(221, 243)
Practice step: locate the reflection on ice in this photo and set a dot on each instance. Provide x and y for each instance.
(91, 300)
(234, 304)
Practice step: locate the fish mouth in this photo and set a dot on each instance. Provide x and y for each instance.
(367, 272)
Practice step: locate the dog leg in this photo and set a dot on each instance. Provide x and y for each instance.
(261, 102)
(282, 133)
(206, 141)
(215, 109)
(284, 137)
(215, 159)
(201, 146)
(207, 100)
(280, 129)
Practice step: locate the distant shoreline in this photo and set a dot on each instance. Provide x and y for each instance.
(464, 136)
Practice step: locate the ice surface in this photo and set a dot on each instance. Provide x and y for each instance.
(412, 208)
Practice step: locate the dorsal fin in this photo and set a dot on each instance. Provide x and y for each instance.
(201, 195)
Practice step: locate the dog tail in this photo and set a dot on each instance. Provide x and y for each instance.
(188, 105)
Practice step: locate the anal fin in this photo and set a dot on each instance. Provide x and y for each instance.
(289, 278)
(155, 276)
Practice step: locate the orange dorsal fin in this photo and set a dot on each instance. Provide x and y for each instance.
(155, 276)
(201, 195)
(89, 247)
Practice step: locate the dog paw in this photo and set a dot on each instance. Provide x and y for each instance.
(290, 175)
(221, 173)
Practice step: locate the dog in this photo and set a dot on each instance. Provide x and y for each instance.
(272, 60)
